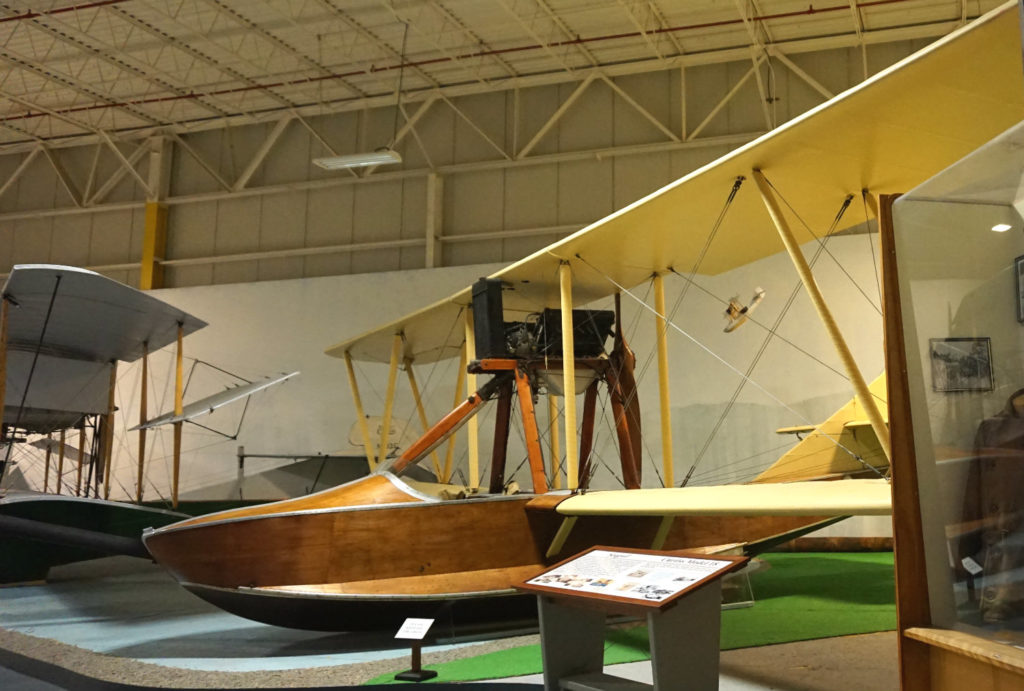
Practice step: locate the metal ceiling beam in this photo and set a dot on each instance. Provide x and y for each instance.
(115, 178)
(640, 109)
(451, 169)
(728, 97)
(278, 43)
(799, 72)
(116, 57)
(196, 53)
(62, 174)
(49, 74)
(924, 31)
(531, 31)
(22, 167)
(432, 31)
(261, 153)
(631, 8)
(757, 51)
(377, 41)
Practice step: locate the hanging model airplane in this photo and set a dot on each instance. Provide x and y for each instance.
(406, 541)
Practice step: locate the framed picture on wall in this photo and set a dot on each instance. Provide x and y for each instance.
(961, 364)
(1018, 275)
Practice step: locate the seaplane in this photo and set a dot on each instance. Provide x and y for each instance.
(411, 540)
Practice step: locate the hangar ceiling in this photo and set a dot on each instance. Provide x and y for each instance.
(77, 72)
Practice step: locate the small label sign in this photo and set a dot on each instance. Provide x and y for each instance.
(414, 629)
(972, 567)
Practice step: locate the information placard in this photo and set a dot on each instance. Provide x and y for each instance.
(414, 629)
(643, 577)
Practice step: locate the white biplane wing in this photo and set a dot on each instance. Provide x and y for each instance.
(885, 135)
(210, 403)
(80, 323)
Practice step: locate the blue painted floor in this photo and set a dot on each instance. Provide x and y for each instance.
(128, 608)
(132, 609)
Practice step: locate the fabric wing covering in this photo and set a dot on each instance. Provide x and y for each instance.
(80, 323)
(885, 135)
(211, 403)
(839, 498)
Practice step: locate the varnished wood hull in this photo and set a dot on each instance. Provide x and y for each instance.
(310, 564)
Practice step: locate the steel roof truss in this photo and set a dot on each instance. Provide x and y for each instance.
(728, 97)
(126, 164)
(639, 108)
(476, 128)
(262, 152)
(115, 177)
(201, 161)
(62, 174)
(22, 167)
(433, 22)
(557, 115)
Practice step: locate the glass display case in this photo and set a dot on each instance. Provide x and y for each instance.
(955, 334)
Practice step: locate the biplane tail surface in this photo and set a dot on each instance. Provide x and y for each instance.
(843, 444)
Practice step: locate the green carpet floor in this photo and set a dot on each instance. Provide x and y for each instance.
(800, 596)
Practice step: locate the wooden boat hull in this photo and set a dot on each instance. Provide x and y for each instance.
(310, 564)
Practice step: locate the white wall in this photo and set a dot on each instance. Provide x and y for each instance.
(259, 329)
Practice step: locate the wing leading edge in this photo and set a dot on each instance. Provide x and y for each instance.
(885, 135)
(814, 498)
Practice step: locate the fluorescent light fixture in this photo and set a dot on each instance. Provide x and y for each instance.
(380, 157)
(1001, 227)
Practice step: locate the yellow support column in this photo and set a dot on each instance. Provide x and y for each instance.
(179, 369)
(389, 398)
(154, 247)
(554, 441)
(569, 377)
(661, 326)
(364, 429)
(472, 425)
(414, 387)
(860, 387)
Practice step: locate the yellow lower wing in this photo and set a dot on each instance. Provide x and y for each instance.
(826, 498)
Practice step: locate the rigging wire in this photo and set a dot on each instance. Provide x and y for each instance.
(777, 335)
(712, 233)
(871, 245)
(819, 241)
(716, 226)
(764, 346)
(720, 359)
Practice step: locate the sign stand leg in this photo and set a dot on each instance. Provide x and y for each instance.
(416, 673)
(572, 641)
(684, 641)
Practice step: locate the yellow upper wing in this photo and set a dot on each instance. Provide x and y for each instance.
(886, 135)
